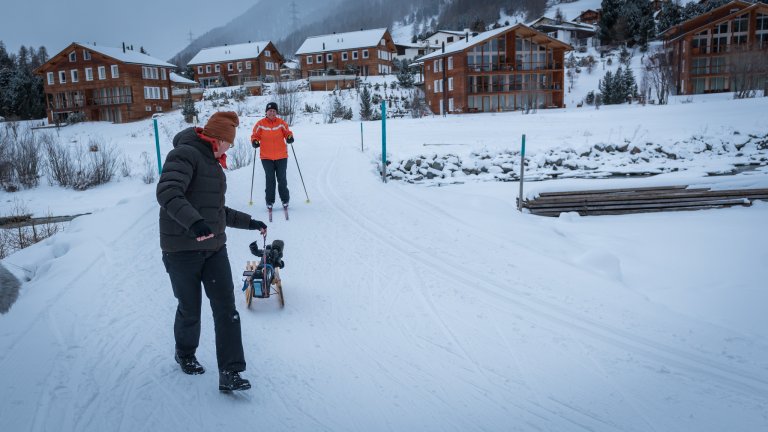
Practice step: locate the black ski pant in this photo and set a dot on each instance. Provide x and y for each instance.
(187, 270)
(276, 169)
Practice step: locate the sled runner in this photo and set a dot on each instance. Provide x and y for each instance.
(262, 278)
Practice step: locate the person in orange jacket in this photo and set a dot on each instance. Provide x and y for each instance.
(271, 135)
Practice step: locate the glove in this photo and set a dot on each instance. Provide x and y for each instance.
(289, 140)
(255, 143)
(256, 225)
(201, 229)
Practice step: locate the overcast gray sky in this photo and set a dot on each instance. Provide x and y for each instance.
(162, 27)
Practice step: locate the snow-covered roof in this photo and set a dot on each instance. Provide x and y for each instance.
(474, 40)
(565, 25)
(180, 79)
(229, 53)
(290, 65)
(127, 56)
(342, 41)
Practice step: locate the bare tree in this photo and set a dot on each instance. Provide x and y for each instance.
(658, 72)
(288, 100)
(748, 69)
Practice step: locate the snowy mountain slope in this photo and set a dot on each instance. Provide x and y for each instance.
(409, 307)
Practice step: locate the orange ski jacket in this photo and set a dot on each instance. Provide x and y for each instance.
(271, 134)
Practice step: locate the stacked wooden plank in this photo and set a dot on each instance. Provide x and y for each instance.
(640, 200)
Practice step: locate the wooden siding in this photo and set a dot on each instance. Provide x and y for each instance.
(711, 68)
(361, 66)
(258, 71)
(98, 99)
(506, 93)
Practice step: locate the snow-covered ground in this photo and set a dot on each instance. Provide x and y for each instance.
(412, 307)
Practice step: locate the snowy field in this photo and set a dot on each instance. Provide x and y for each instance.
(410, 306)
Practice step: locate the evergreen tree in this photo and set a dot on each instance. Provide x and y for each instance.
(670, 15)
(188, 109)
(609, 18)
(404, 76)
(366, 108)
(645, 27)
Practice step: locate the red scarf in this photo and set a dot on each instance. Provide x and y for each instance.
(212, 141)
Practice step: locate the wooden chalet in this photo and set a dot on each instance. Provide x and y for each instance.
(231, 65)
(504, 69)
(589, 16)
(722, 50)
(99, 83)
(571, 32)
(361, 53)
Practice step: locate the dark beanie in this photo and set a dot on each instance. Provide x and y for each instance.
(222, 125)
(271, 105)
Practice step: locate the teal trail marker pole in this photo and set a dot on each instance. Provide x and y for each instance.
(522, 175)
(157, 147)
(361, 136)
(384, 141)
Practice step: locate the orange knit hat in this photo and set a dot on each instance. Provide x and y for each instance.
(222, 125)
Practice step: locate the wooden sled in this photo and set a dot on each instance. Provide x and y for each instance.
(256, 284)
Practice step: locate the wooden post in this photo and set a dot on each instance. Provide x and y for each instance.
(522, 175)
(384, 141)
(157, 147)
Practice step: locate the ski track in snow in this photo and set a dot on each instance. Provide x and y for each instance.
(447, 345)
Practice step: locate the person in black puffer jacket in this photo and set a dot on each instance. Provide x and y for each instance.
(193, 218)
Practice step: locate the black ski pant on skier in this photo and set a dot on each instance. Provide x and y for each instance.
(276, 169)
(187, 270)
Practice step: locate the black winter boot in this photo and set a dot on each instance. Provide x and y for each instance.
(229, 381)
(189, 364)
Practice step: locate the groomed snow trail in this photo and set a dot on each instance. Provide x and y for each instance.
(407, 308)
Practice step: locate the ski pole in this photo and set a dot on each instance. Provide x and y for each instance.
(300, 176)
(253, 173)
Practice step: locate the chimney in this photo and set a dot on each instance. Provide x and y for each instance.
(443, 47)
(323, 46)
(123, 47)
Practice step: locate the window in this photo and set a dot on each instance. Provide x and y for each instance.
(62, 77)
(158, 108)
(267, 53)
(354, 55)
(102, 72)
(450, 63)
(319, 58)
(449, 40)
(247, 65)
(200, 69)
(329, 57)
(309, 59)
(114, 71)
(239, 66)
(152, 92)
(86, 55)
(345, 56)
(382, 42)
(147, 107)
(365, 54)
(438, 63)
(450, 84)
(50, 78)
(165, 93)
(230, 67)
(73, 57)
(217, 68)
(163, 74)
(89, 74)
(207, 69)
(450, 105)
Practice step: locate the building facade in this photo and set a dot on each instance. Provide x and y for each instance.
(362, 53)
(504, 69)
(232, 65)
(723, 50)
(98, 83)
(571, 32)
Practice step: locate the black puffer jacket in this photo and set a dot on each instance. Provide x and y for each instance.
(192, 187)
